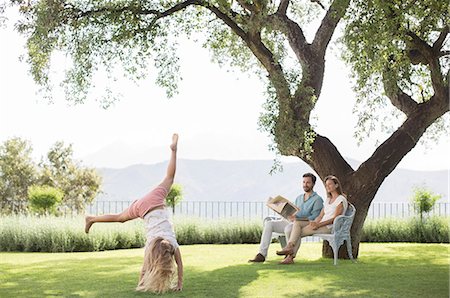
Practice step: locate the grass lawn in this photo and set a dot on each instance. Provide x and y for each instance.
(383, 270)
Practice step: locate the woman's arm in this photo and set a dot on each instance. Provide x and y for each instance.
(179, 263)
(319, 218)
(338, 212)
(315, 223)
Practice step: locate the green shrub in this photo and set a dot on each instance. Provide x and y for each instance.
(44, 199)
(58, 234)
(229, 231)
(423, 200)
(434, 230)
(174, 196)
(66, 234)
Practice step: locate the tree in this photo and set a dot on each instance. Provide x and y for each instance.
(17, 173)
(175, 196)
(80, 185)
(423, 200)
(44, 199)
(397, 50)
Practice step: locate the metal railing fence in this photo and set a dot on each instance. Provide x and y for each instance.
(258, 210)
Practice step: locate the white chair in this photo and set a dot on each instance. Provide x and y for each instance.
(340, 232)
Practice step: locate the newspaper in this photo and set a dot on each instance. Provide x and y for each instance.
(282, 206)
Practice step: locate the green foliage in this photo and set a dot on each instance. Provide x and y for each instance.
(434, 230)
(79, 184)
(225, 231)
(175, 196)
(43, 199)
(380, 51)
(17, 173)
(424, 200)
(58, 234)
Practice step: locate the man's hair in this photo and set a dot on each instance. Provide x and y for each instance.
(310, 175)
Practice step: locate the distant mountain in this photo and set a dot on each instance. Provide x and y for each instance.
(249, 180)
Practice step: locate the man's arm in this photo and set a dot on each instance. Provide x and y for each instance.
(299, 203)
(317, 207)
(179, 263)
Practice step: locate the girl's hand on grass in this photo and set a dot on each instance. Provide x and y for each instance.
(179, 287)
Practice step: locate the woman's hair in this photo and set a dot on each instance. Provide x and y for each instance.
(336, 181)
(159, 267)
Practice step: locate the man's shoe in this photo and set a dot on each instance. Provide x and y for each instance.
(285, 251)
(258, 259)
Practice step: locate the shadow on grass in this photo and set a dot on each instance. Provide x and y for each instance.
(418, 272)
(113, 277)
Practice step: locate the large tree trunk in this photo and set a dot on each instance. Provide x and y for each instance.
(362, 184)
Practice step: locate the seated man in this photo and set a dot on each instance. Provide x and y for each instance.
(310, 204)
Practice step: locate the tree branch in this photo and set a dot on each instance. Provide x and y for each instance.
(440, 41)
(398, 98)
(294, 34)
(432, 58)
(282, 8)
(329, 22)
(261, 52)
(444, 53)
(318, 2)
(389, 154)
(226, 19)
(246, 6)
(138, 10)
(418, 44)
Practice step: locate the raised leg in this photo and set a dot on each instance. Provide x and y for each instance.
(120, 217)
(172, 166)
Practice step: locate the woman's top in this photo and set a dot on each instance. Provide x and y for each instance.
(330, 209)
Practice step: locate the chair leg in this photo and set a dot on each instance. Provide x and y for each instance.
(335, 250)
(282, 240)
(349, 249)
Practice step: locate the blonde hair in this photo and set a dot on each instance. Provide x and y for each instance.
(336, 181)
(159, 267)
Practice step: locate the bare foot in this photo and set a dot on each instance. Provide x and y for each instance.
(288, 260)
(89, 223)
(173, 146)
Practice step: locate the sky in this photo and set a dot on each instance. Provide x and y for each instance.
(215, 113)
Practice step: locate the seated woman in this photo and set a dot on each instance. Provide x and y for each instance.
(335, 205)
